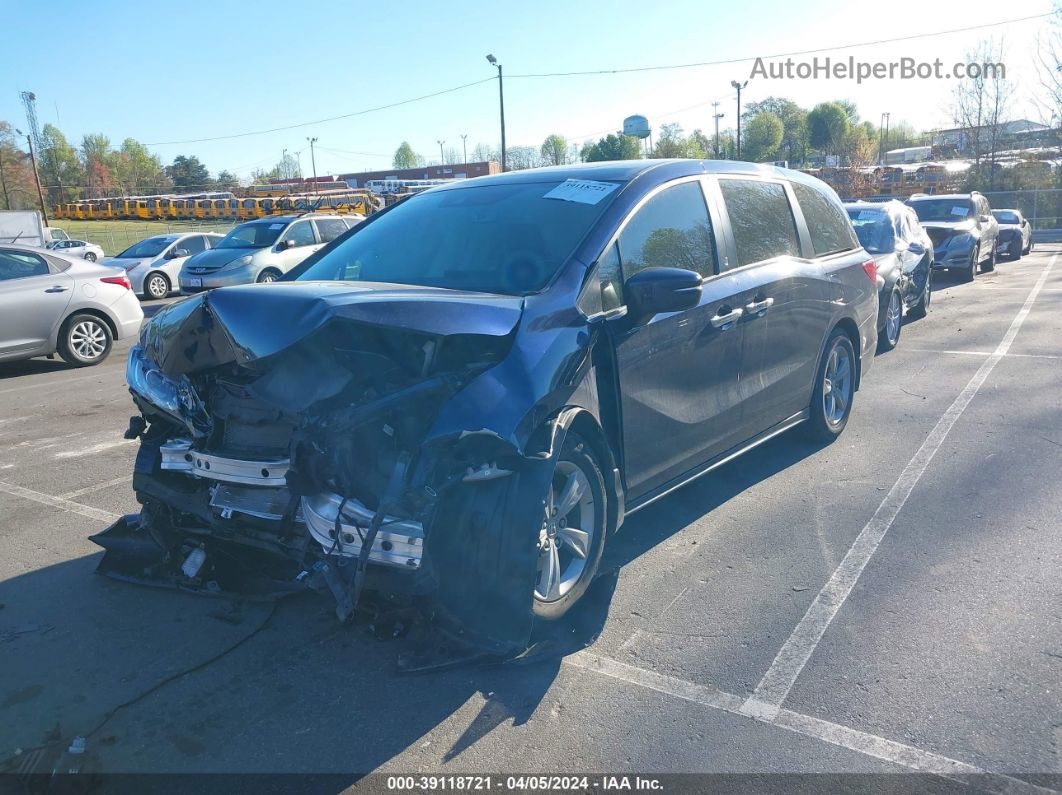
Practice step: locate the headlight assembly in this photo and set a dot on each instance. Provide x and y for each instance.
(239, 262)
(175, 397)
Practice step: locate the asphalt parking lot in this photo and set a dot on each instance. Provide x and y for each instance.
(886, 604)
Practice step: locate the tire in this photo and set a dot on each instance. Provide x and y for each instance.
(968, 273)
(156, 285)
(84, 340)
(90, 256)
(1015, 250)
(576, 464)
(889, 336)
(1028, 248)
(921, 309)
(267, 276)
(825, 422)
(990, 264)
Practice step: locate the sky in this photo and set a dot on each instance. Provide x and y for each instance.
(165, 72)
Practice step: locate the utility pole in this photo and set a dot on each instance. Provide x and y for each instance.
(716, 116)
(36, 177)
(501, 106)
(284, 163)
(738, 86)
(3, 182)
(464, 148)
(885, 140)
(313, 162)
(441, 157)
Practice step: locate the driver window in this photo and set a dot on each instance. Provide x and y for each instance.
(301, 234)
(671, 230)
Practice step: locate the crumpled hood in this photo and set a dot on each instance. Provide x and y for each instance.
(240, 324)
(216, 257)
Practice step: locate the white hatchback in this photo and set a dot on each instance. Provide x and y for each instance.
(154, 263)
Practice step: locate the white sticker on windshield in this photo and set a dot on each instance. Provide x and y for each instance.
(962, 212)
(584, 191)
(276, 226)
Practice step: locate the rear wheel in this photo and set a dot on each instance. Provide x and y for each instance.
(890, 334)
(831, 402)
(267, 276)
(156, 285)
(572, 535)
(84, 340)
(90, 256)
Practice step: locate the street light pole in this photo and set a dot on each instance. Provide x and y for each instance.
(313, 162)
(441, 157)
(464, 148)
(501, 107)
(738, 86)
(885, 140)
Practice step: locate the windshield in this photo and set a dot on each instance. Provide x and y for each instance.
(151, 247)
(1006, 217)
(257, 235)
(507, 239)
(943, 209)
(874, 230)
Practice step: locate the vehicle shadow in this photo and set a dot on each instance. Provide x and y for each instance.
(295, 692)
(33, 367)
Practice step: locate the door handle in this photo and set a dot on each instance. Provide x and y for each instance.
(759, 307)
(727, 321)
(56, 289)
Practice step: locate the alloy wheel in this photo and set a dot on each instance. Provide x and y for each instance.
(88, 340)
(893, 318)
(157, 286)
(837, 385)
(567, 533)
(90, 257)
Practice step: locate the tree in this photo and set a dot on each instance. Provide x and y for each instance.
(827, 127)
(189, 174)
(483, 153)
(96, 157)
(794, 118)
(699, 145)
(405, 157)
(612, 147)
(136, 170)
(555, 150)
(287, 167)
(59, 165)
(226, 180)
(18, 191)
(763, 135)
(518, 158)
(982, 104)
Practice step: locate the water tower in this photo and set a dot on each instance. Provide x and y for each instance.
(638, 127)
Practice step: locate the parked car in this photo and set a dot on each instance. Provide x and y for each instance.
(460, 398)
(154, 264)
(1015, 234)
(53, 302)
(262, 251)
(962, 229)
(77, 248)
(903, 252)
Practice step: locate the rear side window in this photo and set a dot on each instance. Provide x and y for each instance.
(330, 228)
(671, 230)
(761, 220)
(828, 223)
(193, 245)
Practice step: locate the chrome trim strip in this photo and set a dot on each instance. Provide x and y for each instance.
(795, 420)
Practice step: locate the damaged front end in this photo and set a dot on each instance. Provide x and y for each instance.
(289, 440)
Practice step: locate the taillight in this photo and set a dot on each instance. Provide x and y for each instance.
(123, 281)
(870, 268)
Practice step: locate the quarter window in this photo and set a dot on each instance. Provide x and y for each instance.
(671, 230)
(828, 223)
(761, 219)
(301, 234)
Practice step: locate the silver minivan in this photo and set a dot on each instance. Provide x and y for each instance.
(262, 250)
(153, 264)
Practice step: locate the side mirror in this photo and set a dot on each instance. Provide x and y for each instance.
(654, 290)
(1024, 221)
(178, 252)
(284, 245)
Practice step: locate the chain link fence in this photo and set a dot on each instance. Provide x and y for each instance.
(1043, 208)
(115, 237)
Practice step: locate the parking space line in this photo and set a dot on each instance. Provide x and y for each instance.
(861, 742)
(120, 381)
(58, 502)
(988, 353)
(774, 688)
(94, 448)
(97, 487)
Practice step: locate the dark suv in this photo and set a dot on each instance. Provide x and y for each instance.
(457, 401)
(962, 229)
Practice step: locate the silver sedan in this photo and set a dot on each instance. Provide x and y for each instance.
(51, 302)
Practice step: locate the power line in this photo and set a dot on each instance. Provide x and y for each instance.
(322, 121)
(726, 61)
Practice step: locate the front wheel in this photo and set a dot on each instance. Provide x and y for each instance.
(157, 285)
(572, 535)
(268, 276)
(831, 402)
(919, 310)
(990, 263)
(890, 334)
(90, 256)
(970, 271)
(1015, 250)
